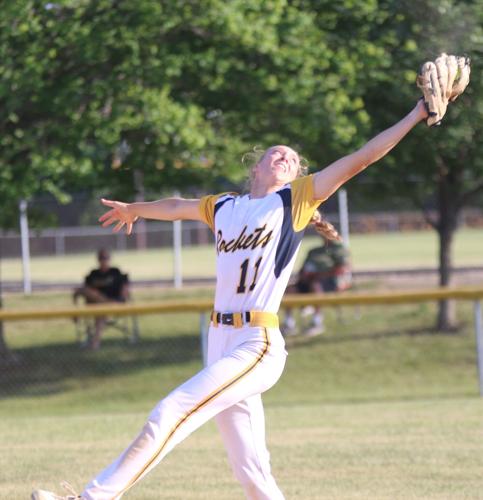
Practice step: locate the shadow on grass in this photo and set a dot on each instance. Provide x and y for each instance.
(43, 370)
(302, 341)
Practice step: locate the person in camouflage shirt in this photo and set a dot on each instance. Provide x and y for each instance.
(325, 269)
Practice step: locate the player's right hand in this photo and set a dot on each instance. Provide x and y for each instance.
(119, 214)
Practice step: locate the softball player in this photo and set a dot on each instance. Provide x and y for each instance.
(257, 238)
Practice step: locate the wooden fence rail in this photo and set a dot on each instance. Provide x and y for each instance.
(201, 306)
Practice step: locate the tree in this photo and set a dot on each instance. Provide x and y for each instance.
(92, 92)
(74, 86)
(440, 169)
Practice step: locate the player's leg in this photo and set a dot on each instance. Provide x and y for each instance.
(94, 296)
(251, 368)
(317, 318)
(289, 326)
(95, 340)
(242, 427)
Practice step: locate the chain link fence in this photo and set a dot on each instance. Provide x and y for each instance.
(147, 234)
(54, 357)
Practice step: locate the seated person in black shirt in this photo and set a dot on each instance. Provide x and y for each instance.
(101, 285)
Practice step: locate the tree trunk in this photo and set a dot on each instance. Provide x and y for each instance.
(447, 224)
(446, 308)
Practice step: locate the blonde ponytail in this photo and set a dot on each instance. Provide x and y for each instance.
(324, 227)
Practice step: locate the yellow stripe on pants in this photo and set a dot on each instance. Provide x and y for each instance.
(197, 407)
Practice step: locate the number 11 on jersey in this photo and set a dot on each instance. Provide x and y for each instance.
(243, 275)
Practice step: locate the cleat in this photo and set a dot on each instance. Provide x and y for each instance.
(45, 495)
(48, 495)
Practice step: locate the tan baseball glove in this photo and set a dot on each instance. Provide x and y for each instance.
(441, 82)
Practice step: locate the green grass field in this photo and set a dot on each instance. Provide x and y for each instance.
(374, 251)
(379, 407)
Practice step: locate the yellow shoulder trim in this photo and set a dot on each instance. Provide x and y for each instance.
(207, 209)
(303, 203)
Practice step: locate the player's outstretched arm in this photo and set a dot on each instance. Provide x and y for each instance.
(328, 180)
(125, 214)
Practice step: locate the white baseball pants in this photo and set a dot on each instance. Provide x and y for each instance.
(242, 363)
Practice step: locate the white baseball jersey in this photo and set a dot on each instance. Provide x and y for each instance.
(257, 240)
(256, 243)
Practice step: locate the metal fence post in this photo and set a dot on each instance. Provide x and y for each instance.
(479, 343)
(343, 216)
(177, 257)
(59, 243)
(24, 232)
(177, 249)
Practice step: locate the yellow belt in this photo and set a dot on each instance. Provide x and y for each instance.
(250, 318)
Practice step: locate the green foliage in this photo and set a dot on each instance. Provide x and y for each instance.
(93, 92)
(452, 154)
